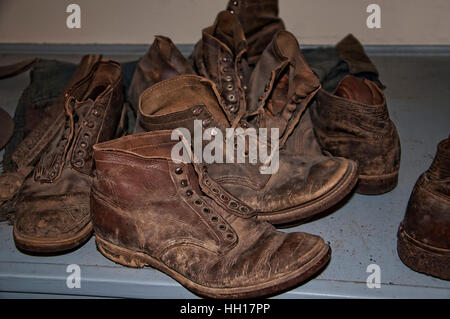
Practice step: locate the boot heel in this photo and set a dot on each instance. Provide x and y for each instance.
(422, 260)
(119, 254)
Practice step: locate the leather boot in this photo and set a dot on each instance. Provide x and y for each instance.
(354, 123)
(53, 212)
(151, 211)
(281, 88)
(162, 61)
(260, 22)
(424, 234)
(303, 186)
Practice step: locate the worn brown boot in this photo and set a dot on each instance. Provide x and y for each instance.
(53, 214)
(260, 22)
(303, 186)
(150, 211)
(424, 234)
(354, 123)
(281, 88)
(162, 61)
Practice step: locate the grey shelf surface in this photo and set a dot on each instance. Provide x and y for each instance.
(362, 231)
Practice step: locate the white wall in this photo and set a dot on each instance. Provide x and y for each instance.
(136, 21)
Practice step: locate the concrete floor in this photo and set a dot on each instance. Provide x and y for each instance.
(361, 232)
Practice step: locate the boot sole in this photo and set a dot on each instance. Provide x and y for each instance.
(130, 258)
(306, 211)
(376, 184)
(52, 245)
(421, 257)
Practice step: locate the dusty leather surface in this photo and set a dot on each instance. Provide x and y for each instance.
(143, 201)
(354, 123)
(427, 217)
(179, 101)
(55, 198)
(260, 22)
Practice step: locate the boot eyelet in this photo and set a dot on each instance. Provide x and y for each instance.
(96, 112)
(214, 219)
(90, 124)
(208, 182)
(79, 163)
(83, 144)
(198, 202)
(222, 227)
(244, 209)
(206, 210)
(233, 204)
(228, 78)
(215, 190)
(230, 87)
(234, 109)
(189, 193)
(196, 111)
(178, 170)
(184, 183)
(230, 236)
(224, 198)
(87, 135)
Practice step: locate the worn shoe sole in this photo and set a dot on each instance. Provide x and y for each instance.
(52, 245)
(318, 205)
(376, 184)
(136, 259)
(421, 257)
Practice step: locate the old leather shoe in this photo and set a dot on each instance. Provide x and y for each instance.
(303, 186)
(354, 123)
(53, 214)
(151, 211)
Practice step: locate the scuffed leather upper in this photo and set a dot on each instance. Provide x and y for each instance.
(260, 22)
(427, 217)
(354, 123)
(177, 102)
(55, 198)
(162, 61)
(145, 202)
(281, 87)
(221, 56)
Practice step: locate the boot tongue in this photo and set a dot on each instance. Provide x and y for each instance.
(281, 85)
(229, 31)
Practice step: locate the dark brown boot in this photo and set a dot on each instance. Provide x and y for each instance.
(303, 186)
(260, 22)
(53, 214)
(150, 211)
(354, 123)
(424, 234)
